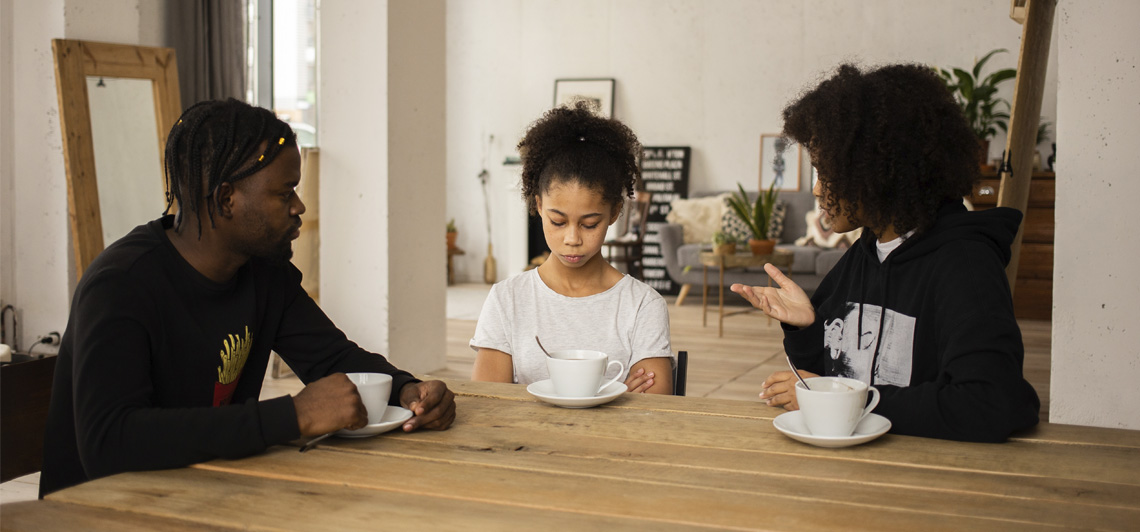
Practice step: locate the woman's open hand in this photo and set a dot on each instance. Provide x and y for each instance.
(788, 303)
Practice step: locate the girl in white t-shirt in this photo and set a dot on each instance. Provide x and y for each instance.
(578, 168)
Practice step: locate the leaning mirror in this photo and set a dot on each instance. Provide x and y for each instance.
(116, 105)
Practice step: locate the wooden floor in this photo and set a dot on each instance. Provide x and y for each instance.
(733, 367)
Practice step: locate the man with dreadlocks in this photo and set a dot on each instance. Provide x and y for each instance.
(171, 327)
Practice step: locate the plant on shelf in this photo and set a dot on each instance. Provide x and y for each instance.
(756, 216)
(452, 233)
(723, 243)
(979, 100)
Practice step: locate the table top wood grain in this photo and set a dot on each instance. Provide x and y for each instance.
(662, 462)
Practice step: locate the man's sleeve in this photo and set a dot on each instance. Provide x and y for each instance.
(314, 347)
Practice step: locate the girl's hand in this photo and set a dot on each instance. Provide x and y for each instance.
(780, 389)
(788, 303)
(639, 381)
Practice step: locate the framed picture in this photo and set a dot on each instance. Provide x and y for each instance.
(599, 92)
(779, 165)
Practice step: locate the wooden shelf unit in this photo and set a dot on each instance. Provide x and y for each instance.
(1033, 291)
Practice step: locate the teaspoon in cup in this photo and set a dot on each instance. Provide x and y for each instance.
(542, 348)
(794, 371)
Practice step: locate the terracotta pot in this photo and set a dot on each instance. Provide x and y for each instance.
(762, 247)
(984, 153)
(725, 249)
(451, 236)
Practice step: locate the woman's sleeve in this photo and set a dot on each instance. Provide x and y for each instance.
(492, 331)
(651, 331)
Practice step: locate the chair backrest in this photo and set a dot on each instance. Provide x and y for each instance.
(25, 391)
(680, 373)
(634, 214)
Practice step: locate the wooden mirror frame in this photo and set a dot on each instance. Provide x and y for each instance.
(74, 62)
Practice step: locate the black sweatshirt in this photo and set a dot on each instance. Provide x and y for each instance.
(161, 367)
(947, 360)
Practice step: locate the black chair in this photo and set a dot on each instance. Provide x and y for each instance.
(680, 373)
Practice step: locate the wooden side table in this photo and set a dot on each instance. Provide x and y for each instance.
(780, 258)
(451, 252)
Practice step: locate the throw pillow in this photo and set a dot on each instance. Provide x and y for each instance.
(821, 234)
(699, 217)
(733, 226)
(776, 224)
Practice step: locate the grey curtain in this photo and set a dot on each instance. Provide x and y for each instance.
(208, 38)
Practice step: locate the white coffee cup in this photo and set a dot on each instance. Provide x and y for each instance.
(374, 389)
(834, 406)
(579, 372)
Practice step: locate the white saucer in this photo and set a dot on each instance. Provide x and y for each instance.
(394, 416)
(544, 391)
(792, 425)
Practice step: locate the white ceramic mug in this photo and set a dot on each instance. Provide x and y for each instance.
(579, 372)
(374, 390)
(834, 406)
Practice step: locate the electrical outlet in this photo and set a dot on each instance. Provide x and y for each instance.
(51, 338)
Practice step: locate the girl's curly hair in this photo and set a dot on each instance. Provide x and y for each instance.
(890, 141)
(575, 145)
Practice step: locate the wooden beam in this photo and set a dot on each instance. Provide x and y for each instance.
(1017, 10)
(1025, 114)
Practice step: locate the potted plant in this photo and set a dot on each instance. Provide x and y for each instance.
(723, 243)
(756, 216)
(452, 233)
(979, 100)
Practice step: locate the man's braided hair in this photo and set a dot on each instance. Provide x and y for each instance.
(215, 142)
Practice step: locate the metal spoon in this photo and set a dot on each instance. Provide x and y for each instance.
(542, 348)
(797, 372)
(313, 442)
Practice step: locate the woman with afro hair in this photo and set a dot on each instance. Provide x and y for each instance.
(920, 306)
(578, 169)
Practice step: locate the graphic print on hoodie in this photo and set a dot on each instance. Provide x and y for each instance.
(852, 340)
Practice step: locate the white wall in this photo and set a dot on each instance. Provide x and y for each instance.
(1096, 336)
(381, 131)
(36, 272)
(352, 92)
(711, 74)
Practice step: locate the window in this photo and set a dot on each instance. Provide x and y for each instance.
(282, 62)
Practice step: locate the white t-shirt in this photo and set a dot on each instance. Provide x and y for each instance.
(885, 248)
(629, 322)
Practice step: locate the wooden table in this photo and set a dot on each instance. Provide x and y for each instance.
(781, 258)
(640, 462)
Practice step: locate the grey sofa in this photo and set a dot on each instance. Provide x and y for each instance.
(809, 267)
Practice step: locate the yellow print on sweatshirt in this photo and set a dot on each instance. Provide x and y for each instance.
(233, 357)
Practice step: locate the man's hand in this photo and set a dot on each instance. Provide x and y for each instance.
(788, 303)
(329, 404)
(431, 403)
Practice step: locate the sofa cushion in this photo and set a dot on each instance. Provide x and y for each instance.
(805, 258)
(827, 259)
(699, 217)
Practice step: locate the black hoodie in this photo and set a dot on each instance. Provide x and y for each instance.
(947, 360)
